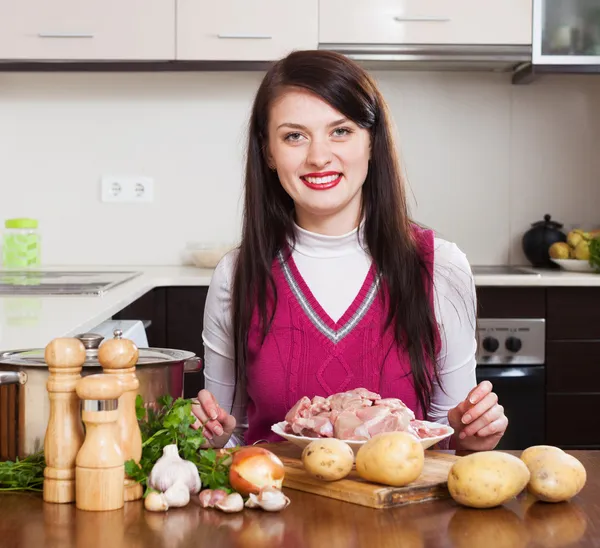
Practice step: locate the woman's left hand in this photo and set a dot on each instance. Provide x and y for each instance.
(479, 421)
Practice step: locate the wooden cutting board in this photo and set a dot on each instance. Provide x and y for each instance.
(430, 485)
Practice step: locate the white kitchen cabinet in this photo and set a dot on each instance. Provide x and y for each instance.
(245, 30)
(87, 29)
(486, 22)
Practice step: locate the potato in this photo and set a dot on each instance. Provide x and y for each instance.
(328, 459)
(487, 479)
(391, 458)
(536, 450)
(555, 476)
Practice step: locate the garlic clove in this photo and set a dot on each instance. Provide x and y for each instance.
(231, 503)
(217, 496)
(156, 502)
(272, 500)
(205, 498)
(252, 501)
(178, 495)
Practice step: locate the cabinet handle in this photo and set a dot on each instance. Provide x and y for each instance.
(425, 18)
(246, 36)
(65, 35)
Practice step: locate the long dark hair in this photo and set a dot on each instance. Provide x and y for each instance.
(269, 213)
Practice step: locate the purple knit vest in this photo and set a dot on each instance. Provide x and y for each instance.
(306, 353)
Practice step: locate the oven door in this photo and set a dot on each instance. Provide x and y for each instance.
(522, 393)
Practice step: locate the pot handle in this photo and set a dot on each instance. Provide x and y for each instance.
(192, 365)
(13, 377)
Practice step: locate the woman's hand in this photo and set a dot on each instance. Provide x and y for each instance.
(479, 421)
(218, 424)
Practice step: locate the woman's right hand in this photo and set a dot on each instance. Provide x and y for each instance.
(218, 424)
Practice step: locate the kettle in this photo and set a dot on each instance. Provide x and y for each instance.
(538, 239)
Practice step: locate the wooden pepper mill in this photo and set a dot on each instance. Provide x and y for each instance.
(100, 466)
(64, 433)
(119, 357)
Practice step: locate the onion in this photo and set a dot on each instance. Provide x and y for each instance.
(253, 468)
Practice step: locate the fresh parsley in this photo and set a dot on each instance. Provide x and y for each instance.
(171, 423)
(26, 474)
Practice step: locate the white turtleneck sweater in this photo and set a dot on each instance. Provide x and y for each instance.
(334, 268)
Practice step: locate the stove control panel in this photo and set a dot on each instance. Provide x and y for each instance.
(511, 341)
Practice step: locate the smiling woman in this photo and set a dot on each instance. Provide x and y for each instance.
(334, 288)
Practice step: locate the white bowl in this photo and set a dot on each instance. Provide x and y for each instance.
(208, 256)
(303, 441)
(574, 265)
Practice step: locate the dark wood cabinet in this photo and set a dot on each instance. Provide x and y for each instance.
(149, 307)
(177, 316)
(574, 419)
(573, 366)
(573, 313)
(511, 302)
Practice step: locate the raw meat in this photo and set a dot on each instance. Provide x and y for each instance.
(354, 415)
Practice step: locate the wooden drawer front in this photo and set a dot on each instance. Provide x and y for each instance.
(87, 30)
(573, 367)
(511, 302)
(573, 420)
(425, 22)
(573, 313)
(245, 30)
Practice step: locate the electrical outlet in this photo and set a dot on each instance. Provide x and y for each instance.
(127, 189)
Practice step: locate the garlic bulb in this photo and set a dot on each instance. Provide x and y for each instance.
(177, 495)
(170, 468)
(269, 499)
(156, 502)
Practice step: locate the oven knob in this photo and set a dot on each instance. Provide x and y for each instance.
(490, 344)
(513, 344)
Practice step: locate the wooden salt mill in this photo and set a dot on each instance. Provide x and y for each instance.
(119, 357)
(64, 433)
(100, 465)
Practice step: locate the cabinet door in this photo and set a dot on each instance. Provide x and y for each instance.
(87, 29)
(425, 22)
(185, 321)
(245, 30)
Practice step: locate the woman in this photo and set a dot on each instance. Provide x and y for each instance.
(333, 287)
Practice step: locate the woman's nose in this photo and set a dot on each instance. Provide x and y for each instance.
(319, 154)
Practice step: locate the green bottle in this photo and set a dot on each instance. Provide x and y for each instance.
(21, 244)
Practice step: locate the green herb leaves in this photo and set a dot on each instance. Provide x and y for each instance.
(25, 474)
(171, 423)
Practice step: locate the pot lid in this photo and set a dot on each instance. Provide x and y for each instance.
(92, 341)
(547, 223)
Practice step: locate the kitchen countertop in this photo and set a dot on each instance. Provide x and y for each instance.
(311, 521)
(32, 321)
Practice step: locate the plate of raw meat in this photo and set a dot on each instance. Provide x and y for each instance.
(355, 416)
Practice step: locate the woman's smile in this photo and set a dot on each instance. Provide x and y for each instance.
(322, 181)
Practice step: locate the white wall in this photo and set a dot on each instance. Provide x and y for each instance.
(484, 158)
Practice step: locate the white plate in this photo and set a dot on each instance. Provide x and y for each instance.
(574, 265)
(303, 441)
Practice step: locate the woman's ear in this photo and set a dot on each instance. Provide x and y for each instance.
(270, 161)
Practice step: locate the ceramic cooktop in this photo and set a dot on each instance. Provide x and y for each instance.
(54, 282)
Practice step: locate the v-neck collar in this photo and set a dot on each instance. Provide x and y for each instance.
(318, 317)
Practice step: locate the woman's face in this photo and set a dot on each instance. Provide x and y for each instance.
(321, 159)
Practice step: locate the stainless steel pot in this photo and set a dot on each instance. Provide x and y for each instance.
(24, 403)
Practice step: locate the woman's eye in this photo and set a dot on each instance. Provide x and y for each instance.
(342, 131)
(293, 136)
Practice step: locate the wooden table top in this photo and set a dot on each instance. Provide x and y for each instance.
(310, 522)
